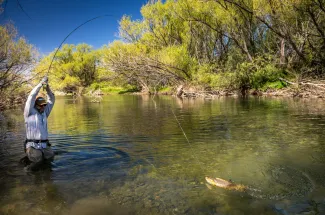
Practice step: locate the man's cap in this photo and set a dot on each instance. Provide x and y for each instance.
(40, 101)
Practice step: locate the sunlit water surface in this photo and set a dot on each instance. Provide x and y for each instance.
(150, 155)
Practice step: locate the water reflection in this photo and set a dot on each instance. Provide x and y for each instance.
(129, 152)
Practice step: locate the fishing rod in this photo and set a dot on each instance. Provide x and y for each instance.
(92, 19)
(5, 2)
(21, 7)
(75, 29)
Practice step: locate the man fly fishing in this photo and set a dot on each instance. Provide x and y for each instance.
(37, 110)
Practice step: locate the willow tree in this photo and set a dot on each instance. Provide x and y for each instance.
(147, 70)
(299, 27)
(152, 53)
(74, 67)
(16, 59)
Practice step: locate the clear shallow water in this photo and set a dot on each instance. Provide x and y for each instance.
(128, 155)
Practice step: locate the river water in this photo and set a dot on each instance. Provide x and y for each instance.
(134, 154)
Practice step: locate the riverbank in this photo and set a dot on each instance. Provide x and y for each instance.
(300, 90)
(285, 92)
(304, 90)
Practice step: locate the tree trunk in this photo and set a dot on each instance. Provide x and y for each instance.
(179, 91)
(282, 51)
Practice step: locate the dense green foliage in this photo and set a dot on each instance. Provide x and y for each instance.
(236, 44)
(215, 44)
(73, 68)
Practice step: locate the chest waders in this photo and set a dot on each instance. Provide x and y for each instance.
(25, 161)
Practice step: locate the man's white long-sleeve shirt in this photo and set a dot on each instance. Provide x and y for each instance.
(36, 122)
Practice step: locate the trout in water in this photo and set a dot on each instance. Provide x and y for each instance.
(225, 184)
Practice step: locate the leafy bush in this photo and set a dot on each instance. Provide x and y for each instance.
(262, 73)
(203, 74)
(206, 76)
(165, 89)
(69, 84)
(274, 85)
(256, 74)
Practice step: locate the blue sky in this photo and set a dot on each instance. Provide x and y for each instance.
(52, 20)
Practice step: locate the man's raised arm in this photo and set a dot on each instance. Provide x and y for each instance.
(50, 101)
(30, 103)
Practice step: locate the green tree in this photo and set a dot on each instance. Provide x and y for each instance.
(130, 31)
(16, 59)
(299, 27)
(74, 66)
(147, 70)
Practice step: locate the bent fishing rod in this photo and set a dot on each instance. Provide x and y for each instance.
(90, 20)
(75, 29)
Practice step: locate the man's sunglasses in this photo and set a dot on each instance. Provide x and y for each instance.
(44, 105)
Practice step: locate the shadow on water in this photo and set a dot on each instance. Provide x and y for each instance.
(88, 161)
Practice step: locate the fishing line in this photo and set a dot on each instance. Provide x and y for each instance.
(162, 199)
(188, 142)
(179, 124)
